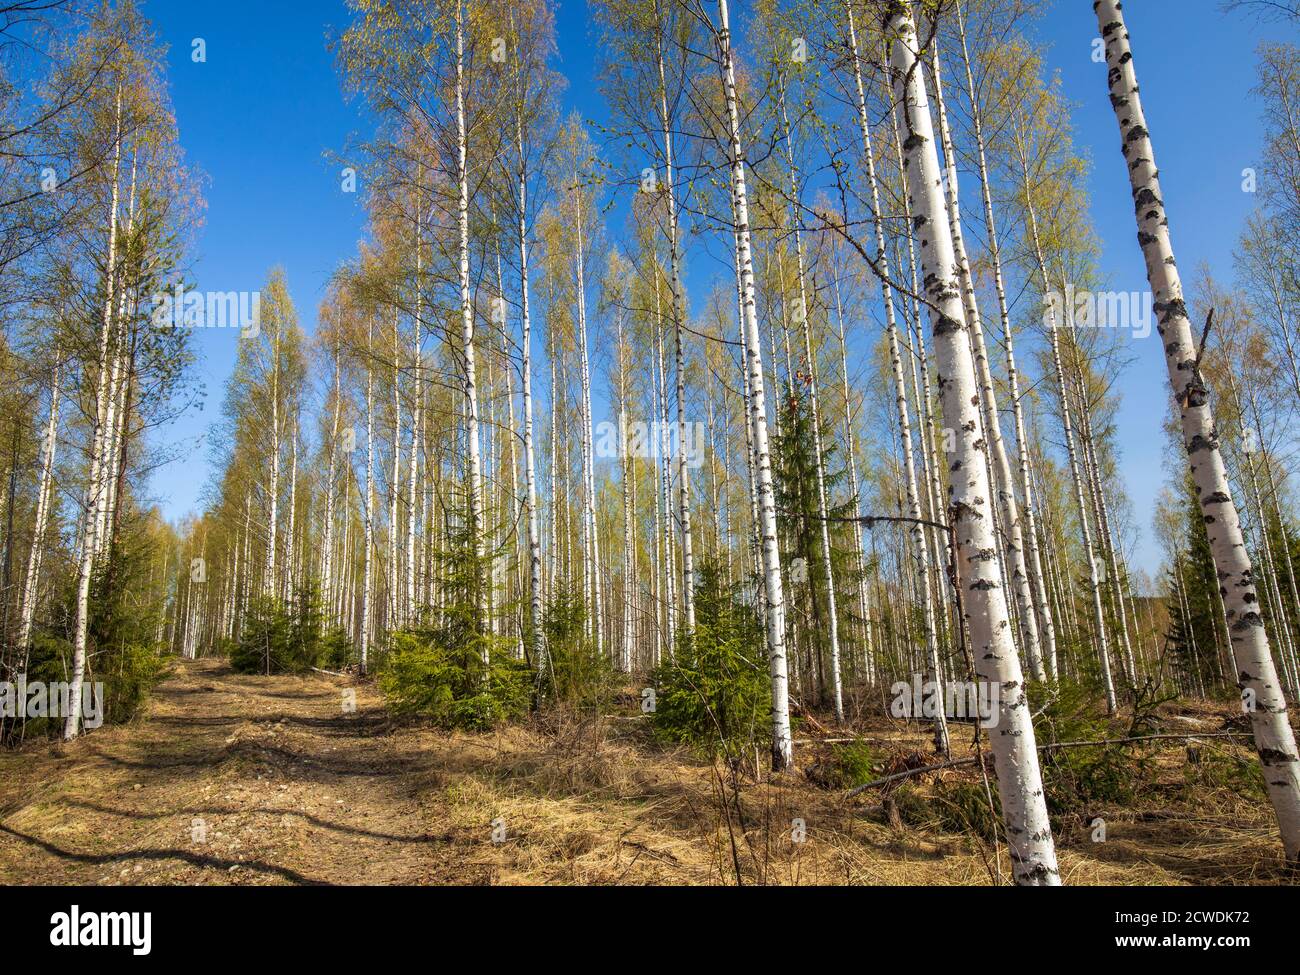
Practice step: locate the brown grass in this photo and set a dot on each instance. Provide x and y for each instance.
(294, 790)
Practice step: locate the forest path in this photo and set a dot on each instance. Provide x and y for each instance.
(245, 779)
(235, 779)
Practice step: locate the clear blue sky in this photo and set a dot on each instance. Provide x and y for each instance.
(260, 114)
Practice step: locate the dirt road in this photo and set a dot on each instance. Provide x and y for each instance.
(231, 779)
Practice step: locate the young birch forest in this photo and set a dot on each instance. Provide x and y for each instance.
(726, 490)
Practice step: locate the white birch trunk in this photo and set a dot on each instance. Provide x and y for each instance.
(917, 530)
(395, 614)
(1013, 535)
(1257, 677)
(367, 594)
(93, 498)
(667, 554)
(290, 561)
(417, 354)
(526, 380)
(1029, 835)
(273, 516)
(31, 585)
(1042, 607)
(327, 554)
(850, 446)
(475, 473)
(678, 306)
(627, 464)
(591, 550)
(782, 748)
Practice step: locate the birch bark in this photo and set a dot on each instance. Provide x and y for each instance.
(1029, 834)
(1257, 676)
(782, 746)
(921, 545)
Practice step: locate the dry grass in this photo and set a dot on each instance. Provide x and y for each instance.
(293, 790)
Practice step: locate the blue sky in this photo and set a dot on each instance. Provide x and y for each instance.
(260, 114)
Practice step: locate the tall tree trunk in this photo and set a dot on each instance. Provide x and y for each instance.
(367, 593)
(678, 308)
(475, 473)
(921, 545)
(1013, 546)
(327, 545)
(850, 447)
(94, 493)
(1105, 538)
(925, 411)
(1257, 677)
(628, 466)
(395, 612)
(1029, 833)
(31, 584)
(535, 634)
(591, 550)
(782, 747)
(417, 355)
(273, 516)
(1042, 607)
(119, 388)
(668, 558)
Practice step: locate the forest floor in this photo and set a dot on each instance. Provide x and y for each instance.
(232, 779)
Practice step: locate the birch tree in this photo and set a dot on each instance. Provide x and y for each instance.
(1257, 677)
(782, 748)
(1029, 834)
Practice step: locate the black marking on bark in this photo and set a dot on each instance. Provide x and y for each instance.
(1145, 197)
(1248, 621)
(1173, 308)
(1275, 756)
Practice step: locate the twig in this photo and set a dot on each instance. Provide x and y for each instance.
(332, 673)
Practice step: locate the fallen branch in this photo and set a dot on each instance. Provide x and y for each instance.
(332, 673)
(956, 762)
(828, 741)
(845, 741)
